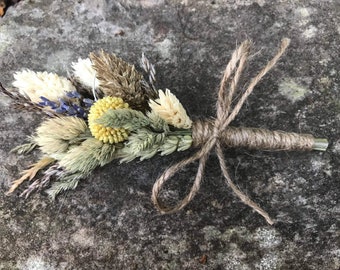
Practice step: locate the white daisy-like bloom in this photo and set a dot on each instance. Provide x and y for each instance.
(85, 73)
(33, 85)
(168, 107)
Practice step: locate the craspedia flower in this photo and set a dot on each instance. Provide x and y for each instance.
(100, 132)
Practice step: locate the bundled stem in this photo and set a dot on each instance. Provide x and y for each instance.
(257, 138)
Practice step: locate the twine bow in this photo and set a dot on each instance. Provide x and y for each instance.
(224, 116)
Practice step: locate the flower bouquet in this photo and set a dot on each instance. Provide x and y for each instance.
(107, 110)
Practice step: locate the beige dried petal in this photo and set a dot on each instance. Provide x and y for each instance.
(168, 107)
(85, 73)
(36, 84)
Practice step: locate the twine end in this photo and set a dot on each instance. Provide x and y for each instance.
(286, 41)
(270, 221)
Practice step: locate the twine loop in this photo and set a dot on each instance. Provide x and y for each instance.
(210, 140)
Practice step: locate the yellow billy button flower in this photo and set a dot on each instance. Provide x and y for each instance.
(100, 132)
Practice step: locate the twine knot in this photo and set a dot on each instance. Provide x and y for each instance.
(210, 135)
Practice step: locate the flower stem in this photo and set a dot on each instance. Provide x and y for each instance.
(320, 144)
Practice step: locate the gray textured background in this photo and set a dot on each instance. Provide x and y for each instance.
(109, 222)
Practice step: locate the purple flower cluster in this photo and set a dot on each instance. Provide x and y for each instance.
(67, 107)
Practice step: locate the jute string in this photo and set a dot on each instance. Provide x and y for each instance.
(252, 138)
(210, 135)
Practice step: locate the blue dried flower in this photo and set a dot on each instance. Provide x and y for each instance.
(65, 107)
(88, 102)
(47, 102)
(73, 94)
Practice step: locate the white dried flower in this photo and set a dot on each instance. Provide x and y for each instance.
(36, 84)
(168, 107)
(85, 73)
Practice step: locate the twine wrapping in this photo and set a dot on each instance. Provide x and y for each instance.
(210, 135)
(252, 138)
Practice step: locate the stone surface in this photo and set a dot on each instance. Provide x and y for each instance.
(109, 222)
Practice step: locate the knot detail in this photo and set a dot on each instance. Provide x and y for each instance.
(210, 135)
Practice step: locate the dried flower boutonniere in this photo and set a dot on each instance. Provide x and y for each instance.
(108, 111)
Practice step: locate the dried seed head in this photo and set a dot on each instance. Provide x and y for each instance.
(36, 84)
(168, 107)
(85, 73)
(120, 79)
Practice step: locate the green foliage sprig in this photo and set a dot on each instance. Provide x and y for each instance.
(124, 118)
(149, 134)
(25, 148)
(67, 182)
